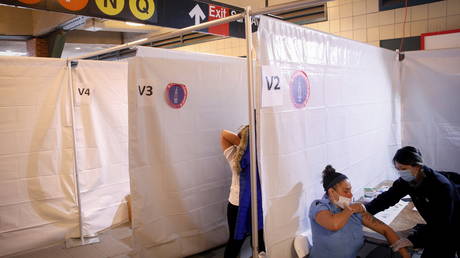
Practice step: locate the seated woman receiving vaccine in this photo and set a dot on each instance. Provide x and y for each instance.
(336, 223)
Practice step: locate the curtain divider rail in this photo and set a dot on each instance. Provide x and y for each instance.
(152, 37)
(149, 38)
(287, 6)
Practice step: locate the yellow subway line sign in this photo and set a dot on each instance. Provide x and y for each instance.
(166, 13)
(143, 11)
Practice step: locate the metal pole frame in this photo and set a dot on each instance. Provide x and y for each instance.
(253, 109)
(252, 131)
(74, 142)
(152, 37)
(247, 14)
(72, 242)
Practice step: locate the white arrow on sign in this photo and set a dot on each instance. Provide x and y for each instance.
(198, 14)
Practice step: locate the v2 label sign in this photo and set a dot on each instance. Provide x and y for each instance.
(273, 82)
(272, 87)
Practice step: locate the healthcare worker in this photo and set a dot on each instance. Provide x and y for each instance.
(436, 199)
(337, 224)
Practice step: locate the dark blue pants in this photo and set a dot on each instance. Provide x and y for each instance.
(234, 246)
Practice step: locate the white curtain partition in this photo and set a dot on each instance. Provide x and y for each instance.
(101, 122)
(431, 105)
(351, 121)
(179, 177)
(37, 191)
(38, 204)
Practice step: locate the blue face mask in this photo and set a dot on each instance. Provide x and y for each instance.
(406, 175)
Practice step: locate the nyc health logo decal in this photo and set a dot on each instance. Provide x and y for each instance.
(299, 89)
(176, 95)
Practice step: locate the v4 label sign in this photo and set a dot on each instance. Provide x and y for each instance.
(83, 95)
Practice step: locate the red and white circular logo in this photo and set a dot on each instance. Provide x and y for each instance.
(176, 95)
(299, 89)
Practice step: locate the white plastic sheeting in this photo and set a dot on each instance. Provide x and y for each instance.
(38, 204)
(37, 191)
(179, 177)
(351, 120)
(430, 82)
(101, 122)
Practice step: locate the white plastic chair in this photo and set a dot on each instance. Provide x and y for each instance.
(301, 245)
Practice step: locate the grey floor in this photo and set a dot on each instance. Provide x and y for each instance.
(219, 252)
(117, 243)
(114, 243)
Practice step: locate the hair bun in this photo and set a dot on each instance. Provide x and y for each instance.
(328, 171)
(412, 149)
(331, 177)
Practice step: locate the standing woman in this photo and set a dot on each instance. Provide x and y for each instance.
(435, 198)
(234, 147)
(230, 144)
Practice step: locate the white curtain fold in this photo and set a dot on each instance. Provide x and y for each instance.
(38, 204)
(101, 122)
(37, 194)
(430, 103)
(351, 121)
(355, 117)
(179, 177)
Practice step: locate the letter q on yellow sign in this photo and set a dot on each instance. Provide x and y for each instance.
(142, 9)
(110, 7)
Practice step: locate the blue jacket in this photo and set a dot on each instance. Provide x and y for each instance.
(438, 202)
(243, 220)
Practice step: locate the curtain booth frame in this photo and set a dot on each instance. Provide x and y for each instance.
(253, 108)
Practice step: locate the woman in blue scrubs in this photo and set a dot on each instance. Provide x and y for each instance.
(337, 225)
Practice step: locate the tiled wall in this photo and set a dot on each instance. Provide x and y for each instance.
(227, 46)
(360, 20)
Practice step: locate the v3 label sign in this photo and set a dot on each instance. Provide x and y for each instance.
(146, 92)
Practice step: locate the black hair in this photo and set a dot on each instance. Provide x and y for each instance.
(408, 155)
(331, 177)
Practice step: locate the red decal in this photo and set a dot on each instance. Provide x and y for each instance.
(217, 12)
(73, 5)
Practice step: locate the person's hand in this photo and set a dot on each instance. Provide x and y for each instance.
(357, 207)
(401, 243)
